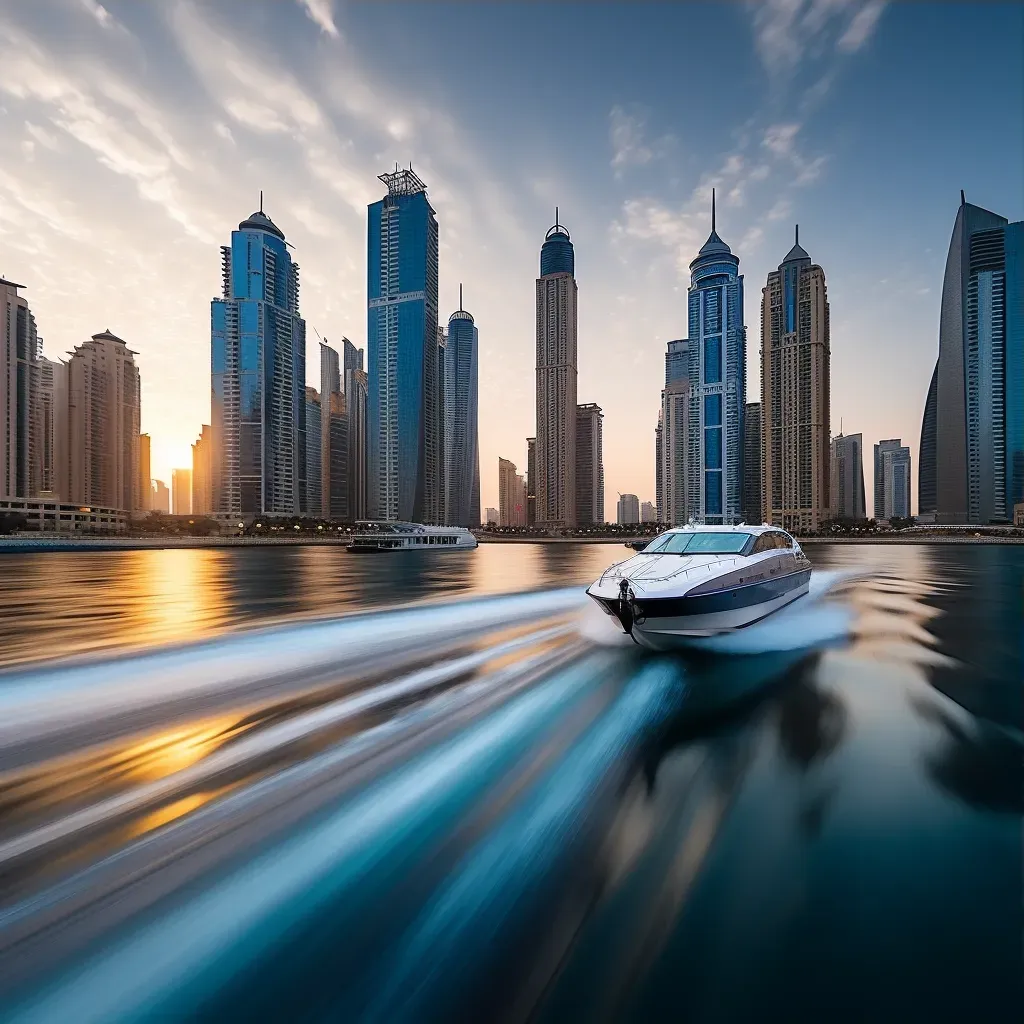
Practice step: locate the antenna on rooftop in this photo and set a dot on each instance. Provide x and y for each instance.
(712, 208)
(261, 200)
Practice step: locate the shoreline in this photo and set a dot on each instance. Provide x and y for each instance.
(16, 544)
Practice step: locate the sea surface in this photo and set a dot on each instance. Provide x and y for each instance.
(840, 840)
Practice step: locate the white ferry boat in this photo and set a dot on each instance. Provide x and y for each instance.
(393, 536)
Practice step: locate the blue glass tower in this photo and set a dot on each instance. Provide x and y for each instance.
(258, 369)
(972, 435)
(462, 451)
(718, 384)
(405, 463)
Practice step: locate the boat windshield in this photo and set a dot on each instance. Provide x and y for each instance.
(699, 543)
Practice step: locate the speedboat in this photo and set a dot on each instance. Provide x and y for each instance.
(698, 581)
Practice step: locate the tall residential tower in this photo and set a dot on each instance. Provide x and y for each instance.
(795, 390)
(556, 381)
(718, 383)
(258, 363)
(405, 464)
(462, 451)
(589, 465)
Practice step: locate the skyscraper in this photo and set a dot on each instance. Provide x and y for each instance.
(491, 516)
(531, 481)
(19, 384)
(972, 432)
(675, 437)
(330, 384)
(313, 503)
(161, 497)
(103, 424)
(404, 465)
(589, 465)
(337, 445)
(795, 393)
(556, 380)
(355, 406)
(511, 495)
(847, 477)
(258, 361)
(659, 471)
(648, 513)
(444, 385)
(627, 511)
(753, 468)
(891, 445)
(145, 472)
(462, 450)
(892, 480)
(181, 492)
(202, 472)
(51, 426)
(718, 383)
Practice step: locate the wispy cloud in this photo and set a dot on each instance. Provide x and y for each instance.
(100, 13)
(321, 13)
(788, 32)
(627, 133)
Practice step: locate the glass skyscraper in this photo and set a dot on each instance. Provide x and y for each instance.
(718, 384)
(405, 464)
(462, 451)
(972, 433)
(258, 364)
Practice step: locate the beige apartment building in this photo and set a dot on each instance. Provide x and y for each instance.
(795, 385)
(103, 424)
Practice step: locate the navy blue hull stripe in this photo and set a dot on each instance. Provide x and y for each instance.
(727, 600)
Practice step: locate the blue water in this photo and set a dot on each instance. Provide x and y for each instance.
(818, 821)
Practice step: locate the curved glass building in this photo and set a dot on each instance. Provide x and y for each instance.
(972, 432)
(258, 369)
(718, 383)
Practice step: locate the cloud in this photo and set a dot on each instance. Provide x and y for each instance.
(778, 138)
(100, 13)
(320, 13)
(861, 28)
(789, 32)
(627, 129)
(781, 209)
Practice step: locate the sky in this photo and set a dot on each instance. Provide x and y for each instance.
(135, 136)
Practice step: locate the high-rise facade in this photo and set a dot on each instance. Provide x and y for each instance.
(181, 492)
(659, 478)
(511, 495)
(51, 431)
(972, 433)
(355, 406)
(753, 468)
(718, 383)
(556, 380)
(627, 511)
(589, 465)
(330, 384)
(337, 471)
(795, 393)
(146, 472)
(491, 516)
(160, 500)
(258, 363)
(444, 454)
(893, 444)
(892, 480)
(405, 466)
(531, 481)
(674, 437)
(19, 386)
(847, 472)
(202, 472)
(461, 391)
(103, 424)
(313, 504)
(648, 513)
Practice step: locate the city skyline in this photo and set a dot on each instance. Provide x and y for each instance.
(638, 213)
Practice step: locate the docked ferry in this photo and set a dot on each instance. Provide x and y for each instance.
(393, 536)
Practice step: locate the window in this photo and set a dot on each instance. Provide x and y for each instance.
(712, 360)
(699, 543)
(712, 410)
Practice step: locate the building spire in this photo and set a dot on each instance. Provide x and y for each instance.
(712, 210)
(261, 200)
(460, 296)
(797, 238)
(963, 198)
(556, 216)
